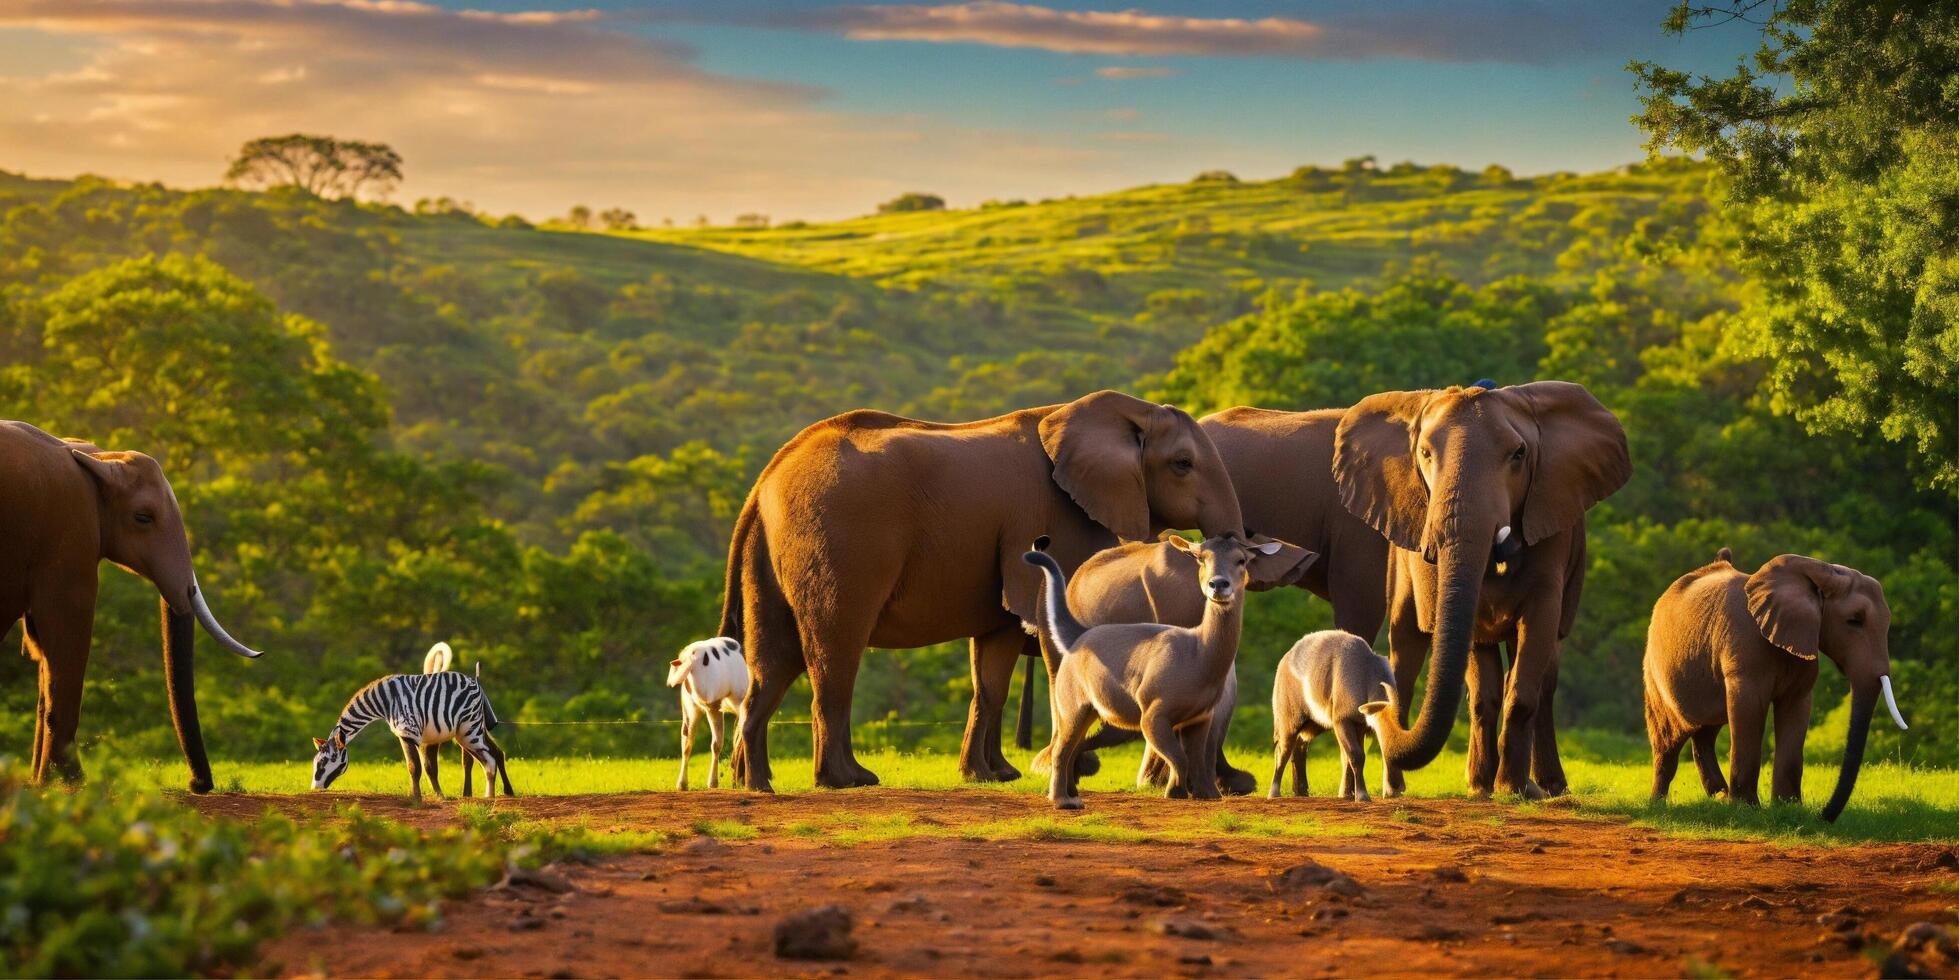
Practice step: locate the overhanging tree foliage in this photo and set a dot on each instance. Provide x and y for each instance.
(1839, 149)
(319, 165)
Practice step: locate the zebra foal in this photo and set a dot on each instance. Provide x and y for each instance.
(422, 710)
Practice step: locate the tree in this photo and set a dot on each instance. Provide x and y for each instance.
(319, 165)
(618, 219)
(912, 202)
(751, 220)
(579, 216)
(1839, 149)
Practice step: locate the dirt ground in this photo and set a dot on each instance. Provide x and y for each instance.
(1431, 887)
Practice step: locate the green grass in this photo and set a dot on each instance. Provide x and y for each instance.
(1892, 802)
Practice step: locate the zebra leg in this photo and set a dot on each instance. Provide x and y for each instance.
(429, 764)
(477, 742)
(714, 747)
(469, 766)
(412, 751)
(503, 767)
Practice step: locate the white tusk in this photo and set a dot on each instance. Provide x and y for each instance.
(1892, 703)
(1503, 534)
(211, 626)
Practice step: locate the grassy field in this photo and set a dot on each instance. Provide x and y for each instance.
(1892, 803)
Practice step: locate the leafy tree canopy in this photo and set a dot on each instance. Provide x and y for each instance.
(319, 165)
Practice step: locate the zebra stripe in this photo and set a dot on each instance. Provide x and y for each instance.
(450, 703)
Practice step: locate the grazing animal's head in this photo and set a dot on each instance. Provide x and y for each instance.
(329, 760)
(1224, 563)
(707, 651)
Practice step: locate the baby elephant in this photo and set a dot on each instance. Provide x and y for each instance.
(1723, 647)
(1325, 682)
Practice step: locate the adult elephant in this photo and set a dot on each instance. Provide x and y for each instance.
(869, 529)
(65, 506)
(1482, 493)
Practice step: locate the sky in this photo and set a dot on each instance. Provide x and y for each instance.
(813, 109)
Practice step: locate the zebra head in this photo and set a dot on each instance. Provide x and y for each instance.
(329, 760)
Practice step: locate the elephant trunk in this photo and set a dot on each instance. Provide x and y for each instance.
(179, 635)
(1459, 576)
(1864, 694)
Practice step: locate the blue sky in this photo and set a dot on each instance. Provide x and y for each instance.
(810, 109)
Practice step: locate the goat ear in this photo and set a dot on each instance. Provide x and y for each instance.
(674, 664)
(318, 744)
(1178, 542)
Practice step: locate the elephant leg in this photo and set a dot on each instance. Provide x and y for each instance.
(769, 682)
(1791, 727)
(1546, 768)
(1708, 761)
(834, 659)
(1359, 594)
(1485, 682)
(58, 639)
(430, 765)
(1534, 654)
(1666, 737)
(1747, 718)
(1353, 759)
(994, 657)
(1408, 649)
(40, 720)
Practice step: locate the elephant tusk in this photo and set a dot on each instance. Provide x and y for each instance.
(1503, 534)
(211, 626)
(1892, 703)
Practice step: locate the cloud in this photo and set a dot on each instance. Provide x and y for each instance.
(1518, 31)
(527, 110)
(1126, 72)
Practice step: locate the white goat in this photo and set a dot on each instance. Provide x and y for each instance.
(712, 678)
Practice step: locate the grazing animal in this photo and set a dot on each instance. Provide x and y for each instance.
(1153, 582)
(1161, 680)
(436, 661)
(1723, 647)
(1328, 680)
(421, 710)
(65, 507)
(712, 678)
(872, 530)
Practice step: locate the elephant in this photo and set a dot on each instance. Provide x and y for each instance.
(1723, 647)
(1154, 582)
(65, 506)
(1481, 493)
(871, 529)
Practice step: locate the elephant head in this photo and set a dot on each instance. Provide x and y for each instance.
(1136, 467)
(1469, 478)
(1806, 607)
(142, 531)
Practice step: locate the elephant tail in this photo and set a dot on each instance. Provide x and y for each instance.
(738, 551)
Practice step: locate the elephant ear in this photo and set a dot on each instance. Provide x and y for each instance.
(1284, 566)
(1374, 465)
(1786, 598)
(1096, 443)
(97, 464)
(1579, 459)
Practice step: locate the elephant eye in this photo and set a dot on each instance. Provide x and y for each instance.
(1518, 456)
(1181, 466)
(142, 518)
(1857, 619)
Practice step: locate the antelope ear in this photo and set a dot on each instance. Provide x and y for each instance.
(1579, 457)
(1178, 542)
(1786, 598)
(1278, 563)
(318, 744)
(1096, 443)
(1374, 465)
(103, 470)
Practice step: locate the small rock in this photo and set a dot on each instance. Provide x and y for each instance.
(1187, 928)
(704, 846)
(1946, 860)
(1432, 933)
(693, 905)
(1159, 895)
(1755, 902)
(1513, 918)
(1626, 947)
(541, 880)
(1044, 881)
(1199, 959)
(821, 933)
(467, 952)
(1537, 849)
(1070, 955)
(1312, 875)
(1448, 872)
(649, 876)
(527, 923)
(1840, 922)
(916, 903)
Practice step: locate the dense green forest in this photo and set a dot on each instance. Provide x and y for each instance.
(388, 428)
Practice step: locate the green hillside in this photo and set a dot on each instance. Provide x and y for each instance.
(389, 428)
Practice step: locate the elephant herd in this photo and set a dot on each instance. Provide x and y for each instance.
(1455, 515)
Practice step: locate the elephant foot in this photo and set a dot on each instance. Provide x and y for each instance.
(977, 774)
(1529, 791)
(199, 786)
(1068, 803)
(1479, 792)
(1391, 792)
(1004, 772)
(1361, 797)
(1237, 782)
(1554, 789)
(846, 780)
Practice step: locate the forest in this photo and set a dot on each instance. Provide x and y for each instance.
(389, 428)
